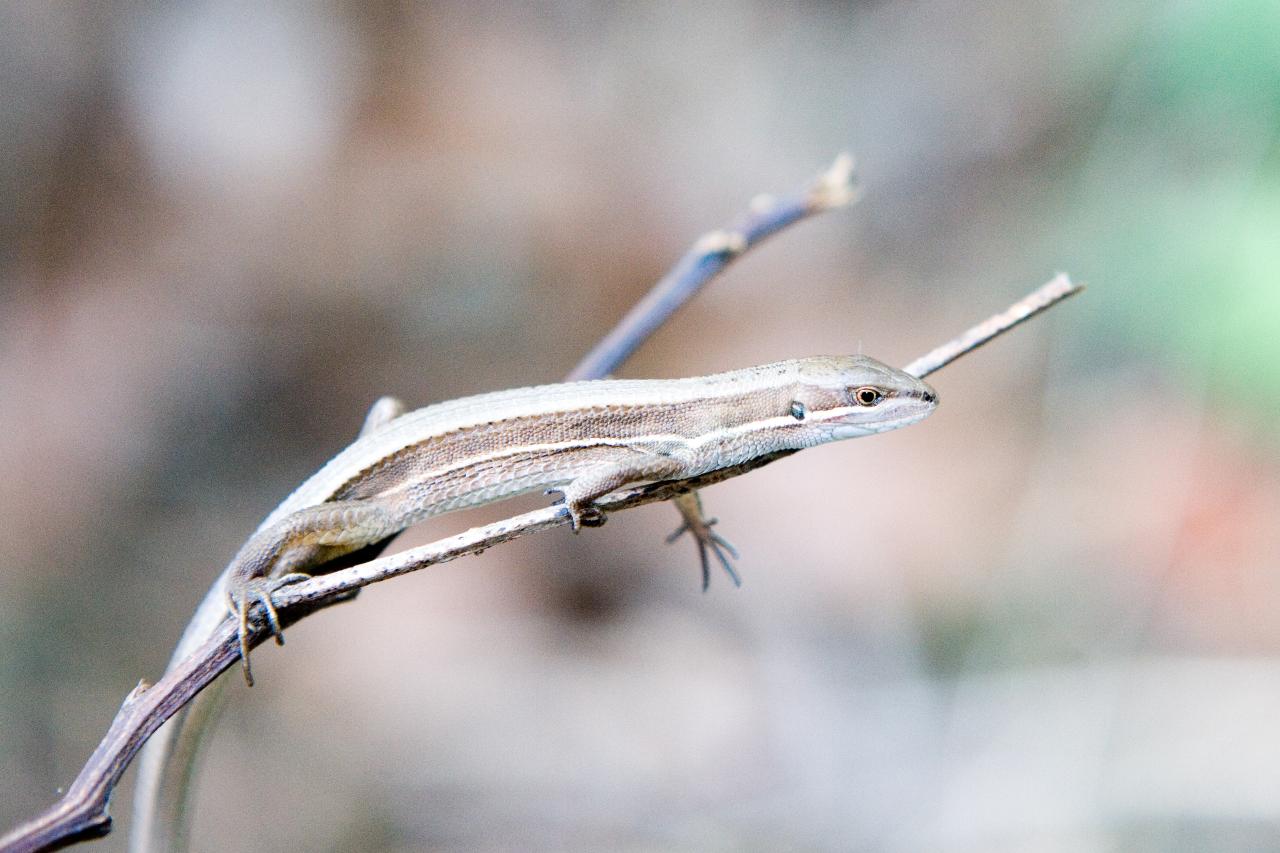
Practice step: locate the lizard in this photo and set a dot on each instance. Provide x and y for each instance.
(578, 440)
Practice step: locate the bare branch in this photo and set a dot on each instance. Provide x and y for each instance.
(708, 257)
(323, 587)
(82, 813)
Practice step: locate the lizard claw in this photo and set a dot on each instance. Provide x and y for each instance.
(240, 600)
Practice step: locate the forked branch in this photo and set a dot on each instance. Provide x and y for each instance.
(82, 812)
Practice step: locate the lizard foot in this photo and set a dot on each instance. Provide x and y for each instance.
(699, 527)
(580, 515)
(240, 600)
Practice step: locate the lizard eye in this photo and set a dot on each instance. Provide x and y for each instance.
(797, 410)
(867, 396)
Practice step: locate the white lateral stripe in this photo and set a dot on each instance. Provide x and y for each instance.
(692, 444)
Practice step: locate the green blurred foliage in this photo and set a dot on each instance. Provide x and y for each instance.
(1179, 220)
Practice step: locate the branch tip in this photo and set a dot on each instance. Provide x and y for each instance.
(837, 186)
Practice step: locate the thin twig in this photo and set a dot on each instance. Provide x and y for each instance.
(81, 814)
(1025, 308)
(709, 256)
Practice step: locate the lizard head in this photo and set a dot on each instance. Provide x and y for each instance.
(853, 395)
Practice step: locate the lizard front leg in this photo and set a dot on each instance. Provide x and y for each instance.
(634, 466)
(628, 465)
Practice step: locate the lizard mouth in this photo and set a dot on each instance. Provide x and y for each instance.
(911, 410)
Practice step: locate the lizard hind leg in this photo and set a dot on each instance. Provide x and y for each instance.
(383, 411)
(304, 540)
(623, 466)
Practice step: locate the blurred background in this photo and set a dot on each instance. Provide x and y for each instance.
(1047, 618)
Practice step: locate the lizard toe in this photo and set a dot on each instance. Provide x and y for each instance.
(242, 597)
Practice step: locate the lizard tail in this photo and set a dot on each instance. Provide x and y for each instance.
(160, 815)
